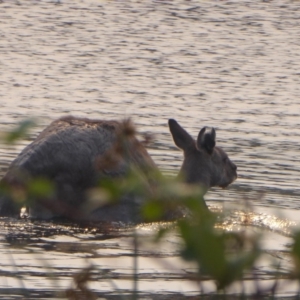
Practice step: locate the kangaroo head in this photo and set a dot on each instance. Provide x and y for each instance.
(204, 163)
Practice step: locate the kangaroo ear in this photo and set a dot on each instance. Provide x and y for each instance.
(206, 139)
(181, 138)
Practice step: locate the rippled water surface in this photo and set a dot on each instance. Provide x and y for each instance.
(233, 65)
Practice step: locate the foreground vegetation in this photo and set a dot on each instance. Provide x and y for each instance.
(223, 256)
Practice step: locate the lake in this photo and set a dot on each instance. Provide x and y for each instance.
(233, 65)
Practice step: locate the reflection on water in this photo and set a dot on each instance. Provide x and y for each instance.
(237, 220)
(231, 65)
(49, 254)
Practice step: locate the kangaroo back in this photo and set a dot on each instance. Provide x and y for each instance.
(74, 154)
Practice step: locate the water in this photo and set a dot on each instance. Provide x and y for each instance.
(231, 65)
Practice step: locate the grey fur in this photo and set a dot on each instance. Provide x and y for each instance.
(203, 163)
(73, 153)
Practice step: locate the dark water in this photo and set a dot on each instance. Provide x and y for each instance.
(233, 65)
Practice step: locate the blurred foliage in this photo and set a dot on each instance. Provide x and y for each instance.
(20, 132)
(81, 290)
(295, 251)
(221, 255)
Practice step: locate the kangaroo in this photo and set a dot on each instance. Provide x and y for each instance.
(76, 154)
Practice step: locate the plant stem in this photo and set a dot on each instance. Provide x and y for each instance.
(135, 265)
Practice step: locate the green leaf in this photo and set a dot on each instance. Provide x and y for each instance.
(40, 187)
(20, 132)
(152, 211)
